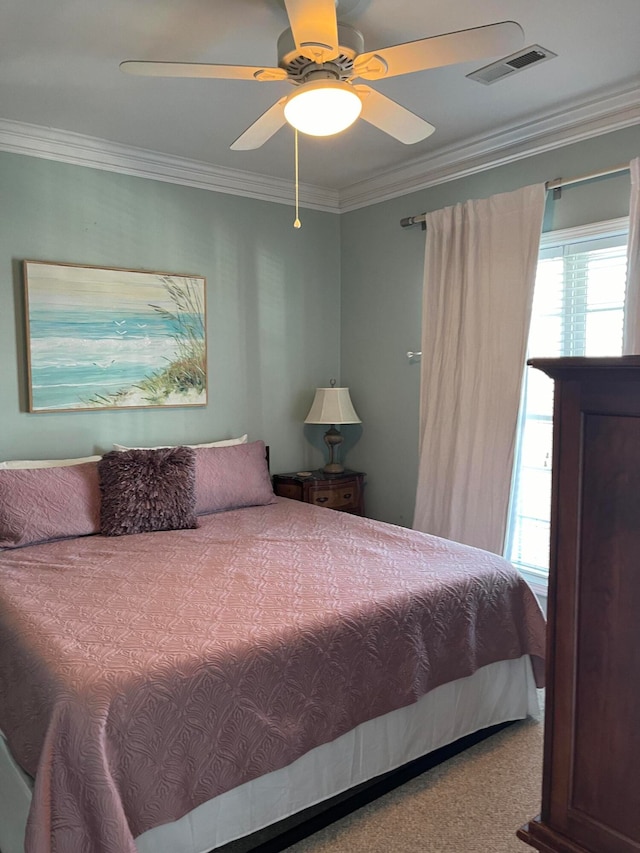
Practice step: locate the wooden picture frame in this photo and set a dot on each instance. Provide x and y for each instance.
(109, 338)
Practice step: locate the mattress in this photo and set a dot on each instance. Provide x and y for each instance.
(497, 693)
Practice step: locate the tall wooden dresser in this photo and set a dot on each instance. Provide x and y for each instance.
(591, 776)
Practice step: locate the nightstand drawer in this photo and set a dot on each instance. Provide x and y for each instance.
(346, 497)
(289, 490)
(344, 492)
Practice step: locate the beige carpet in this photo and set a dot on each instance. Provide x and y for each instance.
(473, 803)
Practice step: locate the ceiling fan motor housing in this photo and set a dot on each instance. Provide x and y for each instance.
(300, 68)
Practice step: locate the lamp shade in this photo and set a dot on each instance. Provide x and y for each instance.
(332, 406)
(323, 107)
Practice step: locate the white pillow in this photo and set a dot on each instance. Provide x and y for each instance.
(226, 443)
(47, 463)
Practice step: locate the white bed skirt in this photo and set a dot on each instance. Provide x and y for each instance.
(495, 694)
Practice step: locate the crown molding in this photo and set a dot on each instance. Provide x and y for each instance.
(80, 150)
(535, 136)
(543, 133)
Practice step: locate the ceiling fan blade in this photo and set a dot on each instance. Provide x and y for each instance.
(196, 69)
(462, 46)
(262, 129)
(392, 118)
(315, 28)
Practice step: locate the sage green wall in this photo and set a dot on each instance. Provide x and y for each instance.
(287, 309)
(382, 267)
(273, 304)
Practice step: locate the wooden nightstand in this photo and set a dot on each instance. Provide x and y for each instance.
(344, 492)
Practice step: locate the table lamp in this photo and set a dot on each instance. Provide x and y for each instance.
(332, 406)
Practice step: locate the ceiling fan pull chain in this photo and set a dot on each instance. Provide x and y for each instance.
(296, 223)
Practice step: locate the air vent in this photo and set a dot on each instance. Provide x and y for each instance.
(528, 56)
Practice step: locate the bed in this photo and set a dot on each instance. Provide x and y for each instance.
(175, 689)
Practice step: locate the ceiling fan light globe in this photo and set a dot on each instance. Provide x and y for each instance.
(323, 107)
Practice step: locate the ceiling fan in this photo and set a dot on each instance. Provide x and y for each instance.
(323, 59)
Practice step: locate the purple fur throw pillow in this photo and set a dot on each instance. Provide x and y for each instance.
(147, 490)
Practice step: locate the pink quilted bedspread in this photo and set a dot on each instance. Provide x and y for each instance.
(143, 675)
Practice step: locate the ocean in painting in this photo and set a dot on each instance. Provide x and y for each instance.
(78, 354)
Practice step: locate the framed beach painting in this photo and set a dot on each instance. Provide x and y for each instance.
(114, 338)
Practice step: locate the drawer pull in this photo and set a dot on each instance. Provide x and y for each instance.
(322, 500)
(347, 495)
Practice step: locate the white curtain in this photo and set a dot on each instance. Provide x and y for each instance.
(480, 268)
(631, 342)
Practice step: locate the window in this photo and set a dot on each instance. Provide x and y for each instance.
(578, 309)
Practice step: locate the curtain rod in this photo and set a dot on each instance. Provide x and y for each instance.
(556, 184)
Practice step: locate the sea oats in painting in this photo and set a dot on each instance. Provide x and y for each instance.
(114, 338)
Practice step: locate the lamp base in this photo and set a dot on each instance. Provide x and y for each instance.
(333, 439)
(333, 468)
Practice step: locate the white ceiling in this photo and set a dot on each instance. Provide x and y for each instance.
(59, 69)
